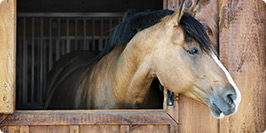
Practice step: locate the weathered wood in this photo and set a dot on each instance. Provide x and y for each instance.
(10, 129)
(74, 129)
(150, 129)
(7, 55)
(242, 51)
(100, 129)
(24, 129)
(87, 117)
(2, 117)
(124, 128)
(49, 129)
(193, 116)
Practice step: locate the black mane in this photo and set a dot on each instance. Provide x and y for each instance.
(134, 22)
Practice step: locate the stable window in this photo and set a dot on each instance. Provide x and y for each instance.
(34, 38)
(46, 33)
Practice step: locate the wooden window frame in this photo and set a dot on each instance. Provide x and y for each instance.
(9, 116)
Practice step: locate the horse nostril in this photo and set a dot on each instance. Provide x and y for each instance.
(230, 96)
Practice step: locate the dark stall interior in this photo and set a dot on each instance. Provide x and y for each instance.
(49, 29)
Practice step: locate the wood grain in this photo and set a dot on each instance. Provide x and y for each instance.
(124, 128)
(150, 129)
(2, 117)
(10, 129)
(28, 118)
(74, 129)
(24, 129)
(100, 129)
(242, 51)
(49, 129)
(7, 55)
(195, 117)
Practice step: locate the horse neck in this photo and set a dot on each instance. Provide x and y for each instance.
(133, 75)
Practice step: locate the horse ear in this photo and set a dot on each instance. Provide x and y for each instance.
(177, 15)
(194, 9)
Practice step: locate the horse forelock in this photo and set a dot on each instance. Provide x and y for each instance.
(134, 22)
(194, 29)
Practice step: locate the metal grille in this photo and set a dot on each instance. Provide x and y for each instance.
(42, 38)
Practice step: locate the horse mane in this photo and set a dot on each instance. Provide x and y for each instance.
(133, 22)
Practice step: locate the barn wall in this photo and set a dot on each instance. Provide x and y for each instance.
(243, 52)
(241, 45)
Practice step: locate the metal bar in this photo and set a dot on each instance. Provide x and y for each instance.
(67, 40)
(20, 64)
(25, 62)
(100, 47)
(76, 34)
(41, 63)
(32, 60)
(63, 47)
(110, 29)
(100, 14)
(50, 44)
(58, 40)
(93, 34)
(85, 30)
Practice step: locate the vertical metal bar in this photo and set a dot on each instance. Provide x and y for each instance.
(85, 30)
(25, 62)
(93, 34)
(32, 60)
(100, 47)
(50, 45)
(76, 33)
(58, 40)
(20, 80)
(41, 64)
(67, 37)
(110, 28)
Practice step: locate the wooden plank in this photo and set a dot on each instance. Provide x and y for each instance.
(150, 129)
(74, 129)
(193, 116)
(49, 129)
(24, 129)
(100, 129)
(2, 117)
(242, 51)
(79, 117)
(124, 128)
(7, 55)
(10, 129)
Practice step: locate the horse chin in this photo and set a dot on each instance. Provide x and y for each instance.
(217, 113)
(218, 116)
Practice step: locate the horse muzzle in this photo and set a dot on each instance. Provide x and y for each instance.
(224, 103)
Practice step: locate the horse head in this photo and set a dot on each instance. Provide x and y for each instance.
(184, 62)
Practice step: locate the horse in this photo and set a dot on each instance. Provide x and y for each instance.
(172, 47)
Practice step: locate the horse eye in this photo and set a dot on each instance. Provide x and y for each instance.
(193, 51)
